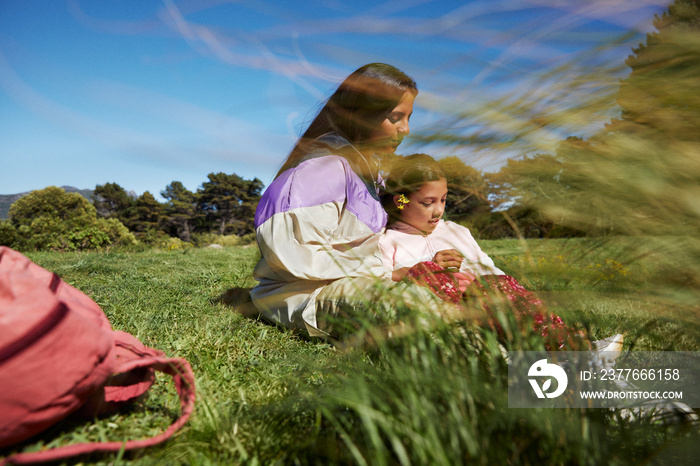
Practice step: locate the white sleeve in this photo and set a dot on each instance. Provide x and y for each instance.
(475, 260)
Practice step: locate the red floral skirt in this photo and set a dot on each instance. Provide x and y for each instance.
(461, 288)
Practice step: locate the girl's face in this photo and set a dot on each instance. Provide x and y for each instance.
(391, 131)
(425, 206)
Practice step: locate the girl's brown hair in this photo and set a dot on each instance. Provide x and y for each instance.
(407, 175)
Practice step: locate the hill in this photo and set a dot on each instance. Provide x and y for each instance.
(6, 200)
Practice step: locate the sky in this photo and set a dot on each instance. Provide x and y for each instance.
(146, 92)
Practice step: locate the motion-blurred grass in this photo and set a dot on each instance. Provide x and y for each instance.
(433, 396)
(628, 182)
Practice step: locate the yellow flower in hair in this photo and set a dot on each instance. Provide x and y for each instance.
(402, 200)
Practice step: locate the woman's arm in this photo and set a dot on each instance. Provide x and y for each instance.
(301, 244)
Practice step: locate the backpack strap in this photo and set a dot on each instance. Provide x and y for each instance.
(130, 379)
(180, 371)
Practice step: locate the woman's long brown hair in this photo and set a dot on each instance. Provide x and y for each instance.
(356, 108)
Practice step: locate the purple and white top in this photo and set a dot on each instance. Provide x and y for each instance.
(317, 222)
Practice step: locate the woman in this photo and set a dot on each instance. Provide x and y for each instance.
(317, 223)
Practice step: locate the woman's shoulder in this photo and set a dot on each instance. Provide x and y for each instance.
(322, 164)
(319, 179)
(313, 182)
(322, 174)
(327, 175)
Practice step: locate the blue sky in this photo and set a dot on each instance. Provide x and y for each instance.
(146, 92)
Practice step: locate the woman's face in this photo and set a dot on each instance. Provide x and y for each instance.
(391, 131)
(425, 206)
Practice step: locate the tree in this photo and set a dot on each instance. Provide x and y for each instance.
(661, 96)
(635, 176)
(646, 161)
(181, 210)
(53, 219)
(520, 191)
(112, 201)
(147, 217)
(229, 202)
(556, 195)
(468, 193)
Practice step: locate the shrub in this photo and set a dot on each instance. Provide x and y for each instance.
(118, 234)
(172, 244)
(205, 239)
(51, 219)
(8, 234)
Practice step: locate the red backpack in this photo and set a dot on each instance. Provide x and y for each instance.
(59, 354)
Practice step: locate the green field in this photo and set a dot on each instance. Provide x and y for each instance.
(435, 396)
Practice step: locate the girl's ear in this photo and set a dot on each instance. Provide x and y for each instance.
(395, 200)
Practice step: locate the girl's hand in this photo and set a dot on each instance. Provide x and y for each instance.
(399, 274)
(448, 259)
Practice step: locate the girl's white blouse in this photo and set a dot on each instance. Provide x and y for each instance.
(403, 246)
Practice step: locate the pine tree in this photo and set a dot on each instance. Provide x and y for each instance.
(661, 97)
(181, 209)
(148, 216)
(229, 202)
(112, 201)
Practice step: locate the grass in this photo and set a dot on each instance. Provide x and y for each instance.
(267, 396)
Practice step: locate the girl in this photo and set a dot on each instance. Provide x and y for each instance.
(442, 255)
(421, 247)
